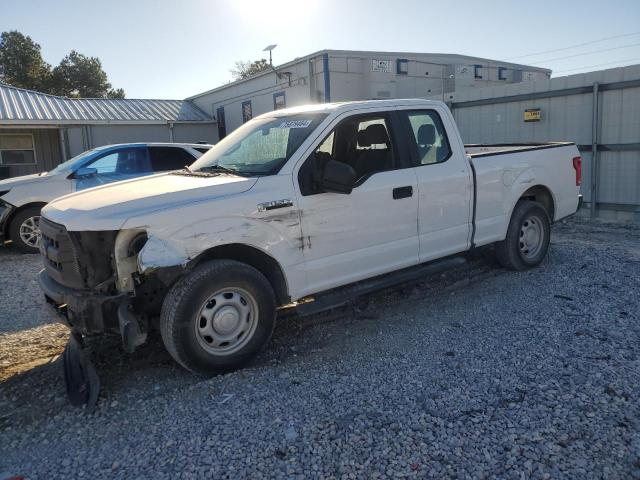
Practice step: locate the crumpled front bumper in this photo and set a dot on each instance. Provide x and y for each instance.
(84, 311)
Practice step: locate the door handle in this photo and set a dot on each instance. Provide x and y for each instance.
(402, 192)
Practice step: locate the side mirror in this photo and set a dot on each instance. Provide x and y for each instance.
(85, 172)
(338, 177)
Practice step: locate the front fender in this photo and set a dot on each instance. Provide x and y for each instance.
(272, 234)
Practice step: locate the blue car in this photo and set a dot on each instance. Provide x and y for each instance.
(22, 198)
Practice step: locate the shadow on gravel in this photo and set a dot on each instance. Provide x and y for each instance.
(150, 371)
(32, 394)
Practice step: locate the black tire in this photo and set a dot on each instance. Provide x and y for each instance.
(513, 252)
(14, 228)
(184, 303)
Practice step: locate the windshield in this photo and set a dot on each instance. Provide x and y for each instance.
(75, 161)
(261, 146)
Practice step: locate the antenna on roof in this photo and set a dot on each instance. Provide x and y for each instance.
(269, 48)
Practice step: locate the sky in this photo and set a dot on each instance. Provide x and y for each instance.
(177, 48)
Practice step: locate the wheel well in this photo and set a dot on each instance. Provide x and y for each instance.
(542, 195)
(259, 260)
(17, 211)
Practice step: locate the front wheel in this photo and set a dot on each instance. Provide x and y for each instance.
(527, 239)
(218, 317)
(24, 230)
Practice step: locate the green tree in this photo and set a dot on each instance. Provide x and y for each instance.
(115, 93)
(21, 63)
(80, 76)
(249, 69)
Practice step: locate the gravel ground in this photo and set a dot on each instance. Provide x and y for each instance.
(21, 301)
(476, 373)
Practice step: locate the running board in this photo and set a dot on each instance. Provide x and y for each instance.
(342, 295)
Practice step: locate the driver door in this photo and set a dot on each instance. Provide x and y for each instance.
(372, 230)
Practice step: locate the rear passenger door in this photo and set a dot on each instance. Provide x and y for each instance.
(372, 230)
(445, 186)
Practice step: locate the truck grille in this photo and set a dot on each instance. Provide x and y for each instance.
(80, 260)
(59, 256)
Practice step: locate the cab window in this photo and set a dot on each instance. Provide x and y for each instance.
(363, 142)
(429, 139)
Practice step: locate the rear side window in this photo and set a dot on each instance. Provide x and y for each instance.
(169, 158)
(430, 141)
(202, 149)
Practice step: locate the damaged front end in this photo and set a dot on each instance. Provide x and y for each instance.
(92, 281)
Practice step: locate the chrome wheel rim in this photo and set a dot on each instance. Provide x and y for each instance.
(531, 237)
(226, 321)
(30, 231)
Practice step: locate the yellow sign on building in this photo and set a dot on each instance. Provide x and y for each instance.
(532, 115)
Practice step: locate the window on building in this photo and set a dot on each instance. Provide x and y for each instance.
(502, 73)
(402, 66)
(477, 71)
(431, 144)
(17, 149)
(279, 101)
(247, 114)
(222, 127)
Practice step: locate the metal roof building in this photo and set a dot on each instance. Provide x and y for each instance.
(56, 128)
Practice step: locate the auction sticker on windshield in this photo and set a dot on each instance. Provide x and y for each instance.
(295, 124)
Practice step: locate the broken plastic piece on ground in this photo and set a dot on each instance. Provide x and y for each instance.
(80, 377)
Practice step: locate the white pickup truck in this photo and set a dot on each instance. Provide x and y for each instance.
(303, 208)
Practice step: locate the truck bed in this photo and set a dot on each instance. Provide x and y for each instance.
(503, 172)
(476, 150)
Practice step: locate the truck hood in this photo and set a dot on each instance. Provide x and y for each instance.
(108, 207)
(9, 183)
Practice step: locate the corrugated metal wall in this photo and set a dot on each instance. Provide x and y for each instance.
(496, 115)
(47, 147)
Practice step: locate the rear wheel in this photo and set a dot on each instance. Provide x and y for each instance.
(24, 230)
(218, 317)
(527, 239)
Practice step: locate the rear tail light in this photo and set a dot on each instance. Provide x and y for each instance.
(577, 165)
